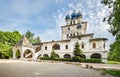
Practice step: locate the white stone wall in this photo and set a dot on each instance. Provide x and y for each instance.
(99, 45)
(73, 30)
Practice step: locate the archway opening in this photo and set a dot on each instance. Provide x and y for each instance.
(39, 56)
(83, 56)
(28, 54)
(56, 47)
(96, 55)
(17, 54)
(67, 56)
(45, 56)
(57, 56)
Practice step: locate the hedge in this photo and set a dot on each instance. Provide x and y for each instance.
(93, 60)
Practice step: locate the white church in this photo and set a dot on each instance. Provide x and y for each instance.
(74, 31)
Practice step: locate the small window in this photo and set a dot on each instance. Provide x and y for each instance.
(94, 45)
(74, 22)
(77, 33)
(71, 23)
(66, 46)
(73, 34)
(45, 47)
(82, 46)
(68, 28)
(79, 38)
(67, 36)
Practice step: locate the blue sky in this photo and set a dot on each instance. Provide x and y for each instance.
(44, 17)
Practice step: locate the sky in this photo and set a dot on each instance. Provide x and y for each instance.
(44, 18)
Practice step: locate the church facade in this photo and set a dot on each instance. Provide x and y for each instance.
(74, 31)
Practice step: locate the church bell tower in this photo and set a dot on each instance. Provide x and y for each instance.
(74, 25)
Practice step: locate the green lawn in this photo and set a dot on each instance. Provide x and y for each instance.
(115, 73)
(113, 62)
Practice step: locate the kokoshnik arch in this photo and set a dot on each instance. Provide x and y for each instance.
(74, 31)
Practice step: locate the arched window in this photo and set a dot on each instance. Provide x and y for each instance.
(96, 55)
(56, 47)
(68, 28)
(82, 46)
(67, 56)
(45, 47)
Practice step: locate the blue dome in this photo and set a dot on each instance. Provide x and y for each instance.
(79, 26)
(74, 15)
(67, 17)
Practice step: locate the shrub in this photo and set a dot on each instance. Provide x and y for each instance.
(77, 59)
(45, 58)
(92, 60)
(62, 59)
(74, 59)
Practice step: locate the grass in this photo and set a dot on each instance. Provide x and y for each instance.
(113, 62)
(115, 73)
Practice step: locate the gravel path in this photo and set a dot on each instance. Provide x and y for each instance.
(46, 69)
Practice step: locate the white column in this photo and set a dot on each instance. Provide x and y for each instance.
(14, 53)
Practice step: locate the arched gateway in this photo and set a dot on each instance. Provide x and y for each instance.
(23, 49)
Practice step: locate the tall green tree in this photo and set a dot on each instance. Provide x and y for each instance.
(53, 54)
(37, 40)
(77, 50)
(114, 21)
(31, 37)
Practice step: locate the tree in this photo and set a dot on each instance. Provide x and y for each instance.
(31, 38)
(37, 40)
(4, 53)
(114, 17)
(53, 54)
(77, 50)
(7, 40)
(115, 51)
(114, 21)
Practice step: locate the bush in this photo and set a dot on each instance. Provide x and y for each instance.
(92, 60)
(74, 59)
(77, 59)
(62, 59)
(115, 73)
(45, 58)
